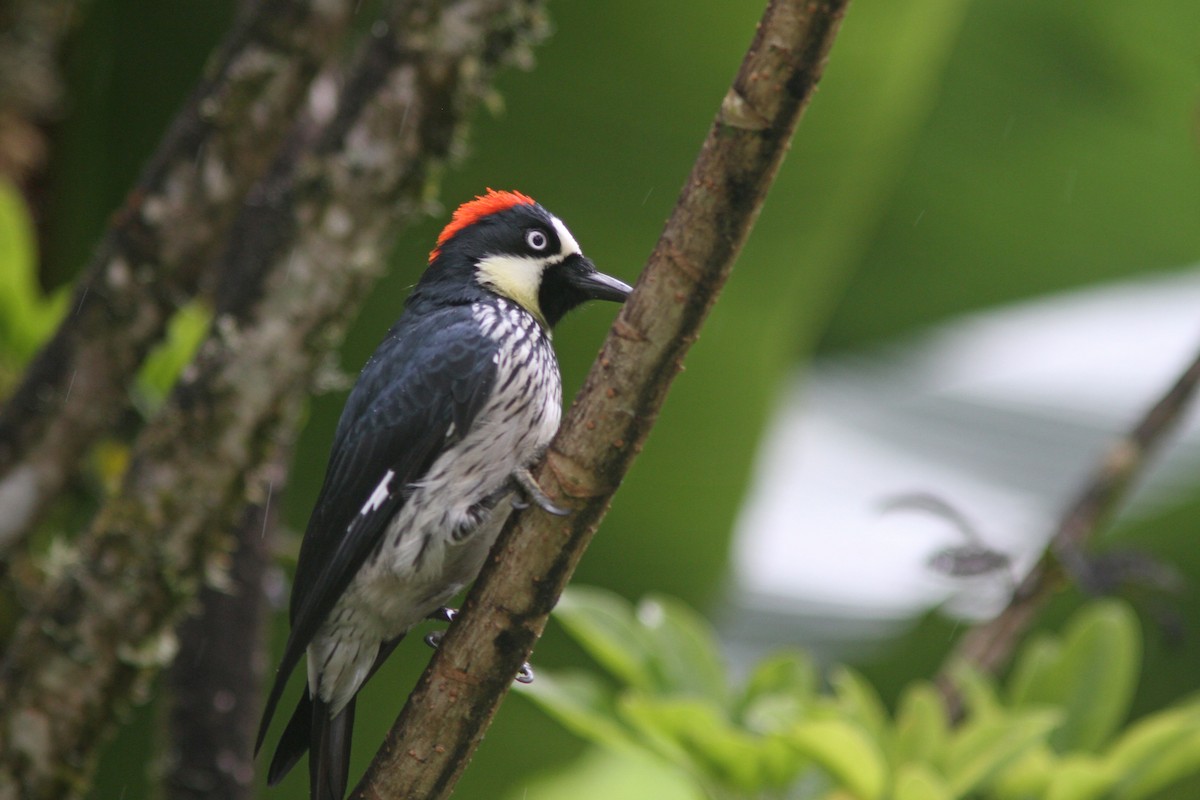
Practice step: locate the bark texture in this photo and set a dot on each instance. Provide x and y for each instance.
(215, 682)
(309, 245)
(159, 248)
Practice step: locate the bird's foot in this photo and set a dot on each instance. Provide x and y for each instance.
(533, 493)
(434, 640)
(439, 614)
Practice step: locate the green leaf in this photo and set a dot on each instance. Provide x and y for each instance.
(859, 701)
(777, 693)
(1091, 673)
(694, 734)
(27, 317)
(163, 365)
(602, 775)
(1157, 751)
(582, 705)
(1028, 776)
(1032, 664)
(603, 623)
(921, 730)
(982, 748)
(845, 751)
(686, 658)
(1082, 777)
(979, 694)
(919, 782)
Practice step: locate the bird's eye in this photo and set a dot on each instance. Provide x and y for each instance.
(536, 239)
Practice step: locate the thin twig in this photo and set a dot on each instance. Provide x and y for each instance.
(452, 706)
(989, 646)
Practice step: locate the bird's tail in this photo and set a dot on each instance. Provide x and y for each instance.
(329, 751)
(294, 742)
(329, 740)
(311, 729)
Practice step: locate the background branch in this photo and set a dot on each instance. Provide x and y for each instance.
(215, 682)
(31, 86)
(989, 646)
(310, 248)
(154, 256)
(446, 716)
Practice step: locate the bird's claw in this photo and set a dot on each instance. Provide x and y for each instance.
(439, 614)
(443, 614)
(526, 483)
(434, 639)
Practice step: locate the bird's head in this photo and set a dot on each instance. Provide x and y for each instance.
(507, 244)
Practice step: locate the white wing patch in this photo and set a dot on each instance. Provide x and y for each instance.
(382, 493)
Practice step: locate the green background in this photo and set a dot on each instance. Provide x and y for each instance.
(957, 155)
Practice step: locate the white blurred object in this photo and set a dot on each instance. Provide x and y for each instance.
(1001, 415)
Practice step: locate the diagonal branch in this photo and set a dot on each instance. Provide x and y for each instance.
(989, 646)
(155, 254)
(309, 252)
(452, 706)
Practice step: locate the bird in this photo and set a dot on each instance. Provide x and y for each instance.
(431, 454)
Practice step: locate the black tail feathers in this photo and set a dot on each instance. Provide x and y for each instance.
(294, 742)
(329, 758)
(329, 740)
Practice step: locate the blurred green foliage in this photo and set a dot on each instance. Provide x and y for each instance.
(958, 154)
(1063, 150)
(27, 315)
(1058, 730)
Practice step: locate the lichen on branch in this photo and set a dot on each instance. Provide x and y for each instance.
(303, 262)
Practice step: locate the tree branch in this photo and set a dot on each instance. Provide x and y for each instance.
(447, 714)
(154, 255)
(311, 250)
(31, 88)
(989, 646)
(215, 683)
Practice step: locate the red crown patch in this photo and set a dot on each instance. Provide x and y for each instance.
(472, 211)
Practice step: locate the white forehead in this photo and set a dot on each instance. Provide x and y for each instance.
(569, 245)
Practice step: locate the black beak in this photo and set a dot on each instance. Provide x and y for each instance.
(596, 285)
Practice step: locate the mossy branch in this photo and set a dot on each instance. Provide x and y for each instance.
(303, 256)
(159, 248)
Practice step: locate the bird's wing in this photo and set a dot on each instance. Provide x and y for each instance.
(427, 376)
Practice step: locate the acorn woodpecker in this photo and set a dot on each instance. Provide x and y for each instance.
(432, 449)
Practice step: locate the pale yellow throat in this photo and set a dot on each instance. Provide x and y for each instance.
(516, 277)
